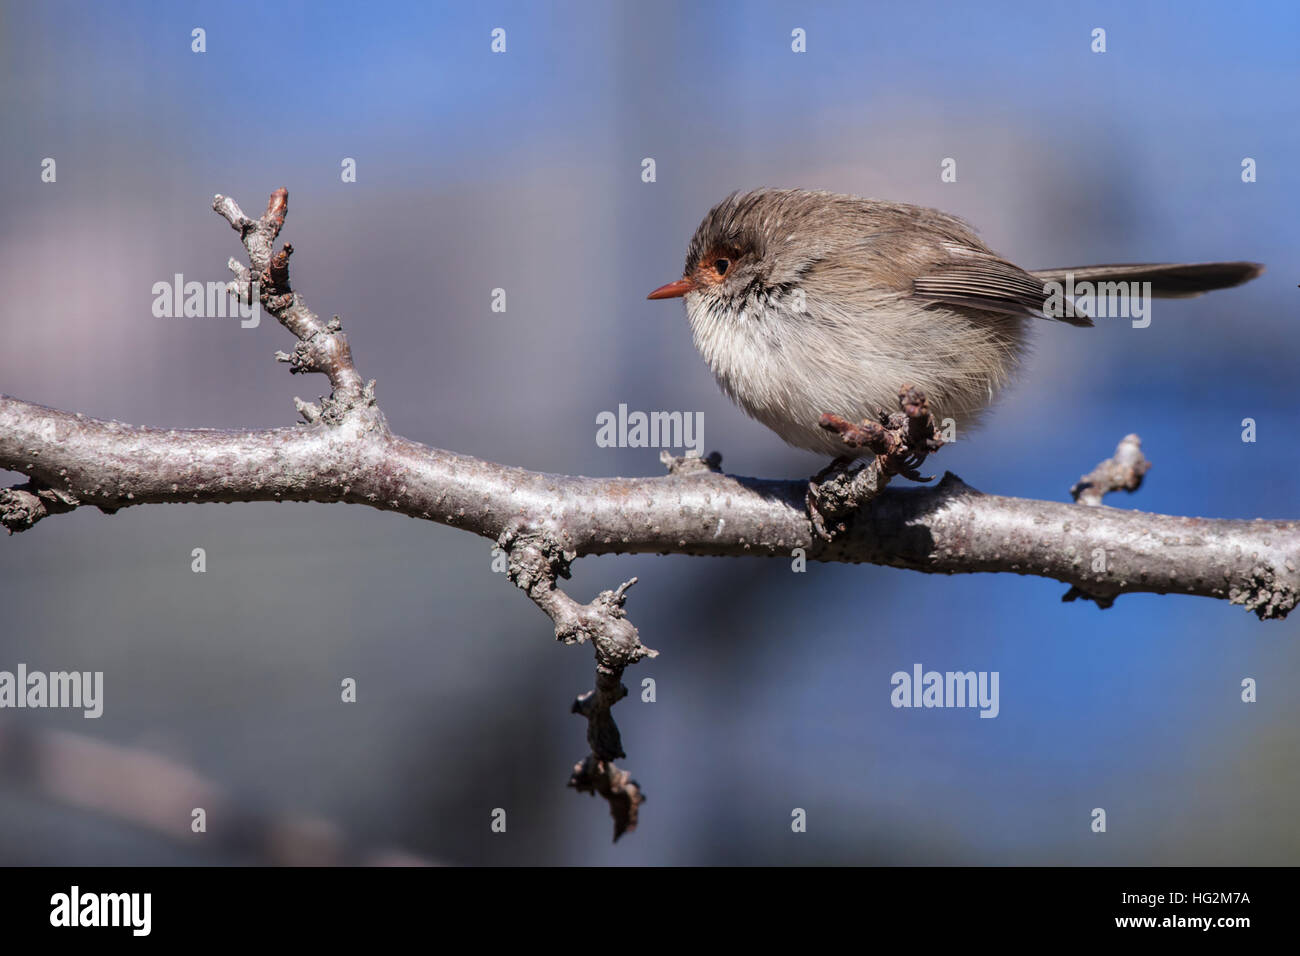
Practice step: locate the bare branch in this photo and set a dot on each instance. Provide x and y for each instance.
(322, 347)
(535, 565)
(948, 528)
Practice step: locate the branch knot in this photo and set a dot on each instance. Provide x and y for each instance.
(24, 505)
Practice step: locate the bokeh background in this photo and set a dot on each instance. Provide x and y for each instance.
(523, 171)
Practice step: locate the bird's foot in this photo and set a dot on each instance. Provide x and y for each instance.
(900, 442)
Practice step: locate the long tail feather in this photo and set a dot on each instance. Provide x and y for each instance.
(1169, 280)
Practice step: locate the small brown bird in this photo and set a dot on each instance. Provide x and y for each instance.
(807, 304)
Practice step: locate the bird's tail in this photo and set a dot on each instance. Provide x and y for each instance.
(1169, 280)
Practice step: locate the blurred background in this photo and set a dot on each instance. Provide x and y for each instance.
(522, 171)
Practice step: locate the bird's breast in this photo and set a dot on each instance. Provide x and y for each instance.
(786, 366)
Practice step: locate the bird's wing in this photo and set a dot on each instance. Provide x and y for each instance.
(980, 280)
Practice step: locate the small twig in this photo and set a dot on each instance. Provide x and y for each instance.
(322, 346)
(535, 565)
(23, 505)
(1123, 471)
(692, 464)
(596, 776)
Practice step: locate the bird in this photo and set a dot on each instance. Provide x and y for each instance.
(815, 308)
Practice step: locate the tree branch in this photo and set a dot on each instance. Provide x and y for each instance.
(949, 528)
(346, 453)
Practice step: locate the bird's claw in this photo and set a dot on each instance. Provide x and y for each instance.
(901, 441)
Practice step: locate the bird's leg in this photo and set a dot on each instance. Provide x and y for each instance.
(900, 443)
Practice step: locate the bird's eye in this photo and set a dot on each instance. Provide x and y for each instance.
(721, 266)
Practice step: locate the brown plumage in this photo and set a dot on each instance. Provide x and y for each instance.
(804, 303)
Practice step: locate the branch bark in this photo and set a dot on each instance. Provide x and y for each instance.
(949, 528)
(346, 453)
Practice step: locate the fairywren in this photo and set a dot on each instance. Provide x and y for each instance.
(807, 304)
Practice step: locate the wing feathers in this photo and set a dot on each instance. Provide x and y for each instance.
(989, 284)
